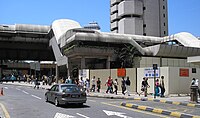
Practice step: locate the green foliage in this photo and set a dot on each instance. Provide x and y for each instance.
(125, 56)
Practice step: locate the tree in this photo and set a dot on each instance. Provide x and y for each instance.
(126, 55)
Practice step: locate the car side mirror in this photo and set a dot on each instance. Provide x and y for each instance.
(48, 89)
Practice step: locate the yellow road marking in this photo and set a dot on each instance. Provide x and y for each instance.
(176, 114)
(137, 98)
(176, 103)
(157, 110)
(5, 111)
(129, 105)
(150, 99)
(142, 107)
(163, 101)
(191, 105)
(136, 110)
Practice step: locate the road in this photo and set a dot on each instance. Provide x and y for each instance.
(26, 102)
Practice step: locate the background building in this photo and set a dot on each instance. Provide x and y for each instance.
(140, 17)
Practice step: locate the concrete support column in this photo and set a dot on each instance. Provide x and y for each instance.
(1, 70)
(83, 63)
(57, 73)
(108, 62)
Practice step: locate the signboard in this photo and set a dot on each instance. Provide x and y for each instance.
(184, 72)
(149, 72)
(121, 72)
(35, 65)
(84, 73)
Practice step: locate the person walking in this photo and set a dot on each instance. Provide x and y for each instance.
(123, 86)
(162, 87)
(109, 84)
(128, 84)
(81, 83)
(144, 87)
(87, 85)
(157, 87)
(36, 83)
(115, 86)
(98, 85)
(93, 84)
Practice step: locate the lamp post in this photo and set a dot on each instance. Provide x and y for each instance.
(155, 67)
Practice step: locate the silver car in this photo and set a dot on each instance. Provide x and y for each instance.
(65, 93)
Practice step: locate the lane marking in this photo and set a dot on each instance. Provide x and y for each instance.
(82, 115)
(36, 97)
(6, 87)
(25, 92)
(60, 115)
(18, 89)
(7, 115)
(92, 100)
(135, 110)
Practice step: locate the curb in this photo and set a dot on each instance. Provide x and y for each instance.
(149, 99)
(159, 111)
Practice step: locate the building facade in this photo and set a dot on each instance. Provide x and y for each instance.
(139, 17)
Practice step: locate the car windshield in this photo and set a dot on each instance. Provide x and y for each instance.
(70, 88)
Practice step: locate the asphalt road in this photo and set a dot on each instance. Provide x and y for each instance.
(26, 102)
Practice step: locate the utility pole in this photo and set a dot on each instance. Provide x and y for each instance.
(155, 67)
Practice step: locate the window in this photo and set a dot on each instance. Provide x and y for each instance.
(144, 34)
(164, 32)
(163, 7)
(144, 8)
(164, 24)
(164, 15)
(144, 25)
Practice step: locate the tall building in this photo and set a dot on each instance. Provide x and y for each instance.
(139, 17)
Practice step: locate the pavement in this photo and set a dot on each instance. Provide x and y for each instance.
(183, 100)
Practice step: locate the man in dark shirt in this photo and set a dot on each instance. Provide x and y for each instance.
(128, 83)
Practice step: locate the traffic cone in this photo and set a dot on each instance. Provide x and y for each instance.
(1, 91)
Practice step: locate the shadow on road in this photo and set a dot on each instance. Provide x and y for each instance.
(73, 106)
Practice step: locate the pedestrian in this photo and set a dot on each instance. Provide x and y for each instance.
(109, 84)
(87, 85)
(157, 85)
(144, 87)
(123, 86)
(98, 85)
(68, 80)
(193, 82)
(196, 83)
(93, 84)
(128, 84)
(36, 83)
(81, 83)
(162, 87)
(115, 86)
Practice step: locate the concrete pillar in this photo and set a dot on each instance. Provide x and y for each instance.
(1, 70)
(83, 63)
(108, 63)
(57, 73)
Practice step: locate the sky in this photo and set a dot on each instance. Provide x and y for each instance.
(183, 15)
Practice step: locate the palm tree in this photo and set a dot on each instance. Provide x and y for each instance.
(126, 55)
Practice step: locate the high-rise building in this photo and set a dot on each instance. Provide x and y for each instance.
(139, 17)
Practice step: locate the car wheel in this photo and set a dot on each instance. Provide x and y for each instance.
(46, 98)
(56, 102)
(80, 104)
